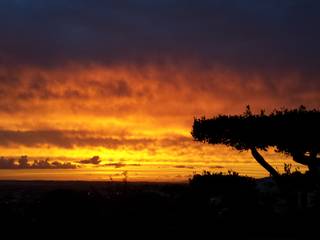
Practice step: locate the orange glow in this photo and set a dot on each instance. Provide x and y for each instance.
(140, 117)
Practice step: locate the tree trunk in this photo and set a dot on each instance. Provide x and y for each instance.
(273, 172)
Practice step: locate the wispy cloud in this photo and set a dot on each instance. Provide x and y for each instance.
(121, 165)
(183, 166)
(65, 139)
(72, 139)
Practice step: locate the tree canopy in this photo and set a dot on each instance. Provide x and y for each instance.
(291, 131)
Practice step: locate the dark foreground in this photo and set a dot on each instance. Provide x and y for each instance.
(222, 211)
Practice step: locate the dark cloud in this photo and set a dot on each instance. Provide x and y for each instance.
(71, 139)
(34, 138)
(94, 160)
(183, 166)
(270, 49)
(117, 88)
(234, 33)
(14, 84)
(23, 163)
(121, 165)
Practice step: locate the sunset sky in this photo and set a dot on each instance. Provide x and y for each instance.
(101, 90)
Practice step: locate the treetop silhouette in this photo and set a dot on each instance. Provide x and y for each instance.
(294, 132)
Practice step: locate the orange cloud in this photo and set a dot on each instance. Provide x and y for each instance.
(133, 114)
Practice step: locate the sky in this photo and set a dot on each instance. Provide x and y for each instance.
(97, 90)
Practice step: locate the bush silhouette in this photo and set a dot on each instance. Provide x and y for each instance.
(219, 183)
(226, 193)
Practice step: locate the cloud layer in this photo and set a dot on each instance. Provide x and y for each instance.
(241, 35)
(227, 51)
(23, 163)
(72, 139)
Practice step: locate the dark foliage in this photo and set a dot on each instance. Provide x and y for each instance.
(224, 206)
(219, 191)
(295, 132)
(219, 183)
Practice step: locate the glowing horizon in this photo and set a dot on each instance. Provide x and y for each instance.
(152, 133)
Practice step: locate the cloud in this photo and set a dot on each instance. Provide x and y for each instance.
(66, 139)
(234, 33)
(94, 160)
(70, 139)
(121, 165)
(237, 51)
(33, 138)
(184, 166)
(159, 92)
(23, 163)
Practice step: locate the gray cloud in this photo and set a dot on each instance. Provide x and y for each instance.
(14, 84)
(183, 166)
(94, 160)
(23, 163)
(71, 139)
(238, 34)
(121, 165)
(34, 138)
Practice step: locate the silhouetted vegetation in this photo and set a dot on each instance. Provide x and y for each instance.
(295, 132)
(219, 192)
(220, 183)
(226, 205)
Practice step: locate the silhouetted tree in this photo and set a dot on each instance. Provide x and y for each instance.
(295, 132)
